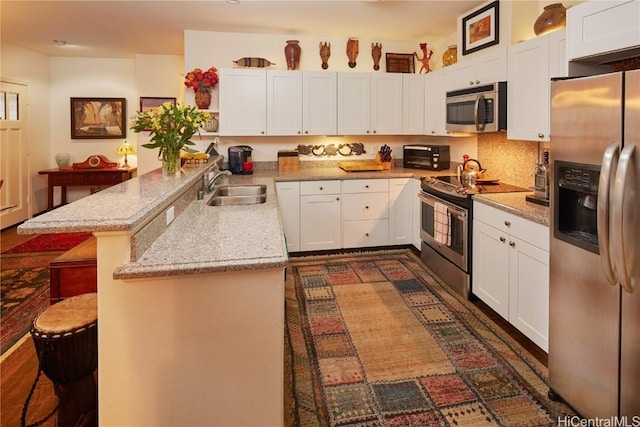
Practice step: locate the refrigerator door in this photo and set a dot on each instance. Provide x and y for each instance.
(584, 309)
(627, 196)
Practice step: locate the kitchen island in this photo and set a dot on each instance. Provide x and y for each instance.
(190, 301)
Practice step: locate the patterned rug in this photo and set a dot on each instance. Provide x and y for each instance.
(24, 292)
(375, 340)
(49, 242)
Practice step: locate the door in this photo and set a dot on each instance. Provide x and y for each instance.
(630, 227)
(321, 222)
(15, 205)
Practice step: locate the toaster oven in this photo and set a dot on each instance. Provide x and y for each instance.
(428, 157)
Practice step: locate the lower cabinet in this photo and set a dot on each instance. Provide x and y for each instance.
(289, 205)
(365, 213)
(401, 198)
(511, 270)
(320, 215)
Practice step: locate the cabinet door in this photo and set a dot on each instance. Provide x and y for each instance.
(365, 233)
(365, 206)
(401, 203)
(243, 102)
(413, 104)
(319, 94)
(463, 75)
(597, 27)
(354, 103)
(491, 267)
(284, 102)
(320, 222)
(386, 103)
(435, 99)
(492, 67)
(529, 291)
(416, 208)
(289, 205)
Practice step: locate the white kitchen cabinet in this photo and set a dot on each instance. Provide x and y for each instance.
(288, 194)
(284, 102)
(531, 66)
(435, 98)
(369, 103)
(401, 202)
(480, 69)
(319, 107)
(320, 215)
(597, 27)
(413, 104)
(511, 269)
(365, 213)
(417, 213)
(243, 102)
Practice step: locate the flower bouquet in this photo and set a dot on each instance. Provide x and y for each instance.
(202, 82)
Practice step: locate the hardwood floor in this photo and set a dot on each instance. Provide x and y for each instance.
(19, 365)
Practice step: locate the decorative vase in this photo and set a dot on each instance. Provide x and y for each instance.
(62, 159)
(292, 54)
(170, 163)
(203, 99)
(553, 17)
(450, 56)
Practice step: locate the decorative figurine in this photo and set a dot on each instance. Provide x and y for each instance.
(376, 53)
(325, 53)
(352, 51)
(425, 58)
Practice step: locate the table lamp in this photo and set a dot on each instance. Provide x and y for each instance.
(125, 148)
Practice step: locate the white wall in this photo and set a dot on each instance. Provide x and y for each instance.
(25, 66)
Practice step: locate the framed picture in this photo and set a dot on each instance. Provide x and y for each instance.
(150, 102)
(98, 118)
(480, 29)
(400, 63)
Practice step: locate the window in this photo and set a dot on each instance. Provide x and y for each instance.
(9, 106)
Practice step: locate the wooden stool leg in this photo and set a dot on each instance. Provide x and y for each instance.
(78, 403)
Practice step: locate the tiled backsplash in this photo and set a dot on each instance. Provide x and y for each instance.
(512, 162)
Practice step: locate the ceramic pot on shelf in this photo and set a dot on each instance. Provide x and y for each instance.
(450, 56)
(553, 17)
(292, 54)
(203, 99)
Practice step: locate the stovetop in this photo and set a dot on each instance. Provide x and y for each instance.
(452, 186)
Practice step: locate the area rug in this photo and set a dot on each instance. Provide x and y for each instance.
(49, 242)
(24, 293)
(376, 340)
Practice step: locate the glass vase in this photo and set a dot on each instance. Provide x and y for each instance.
(171, 163)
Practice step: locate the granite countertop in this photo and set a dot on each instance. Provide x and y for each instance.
(516, 204)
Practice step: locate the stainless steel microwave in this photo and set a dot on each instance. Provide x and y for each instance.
(478, 109)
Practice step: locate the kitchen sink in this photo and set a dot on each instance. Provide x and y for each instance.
(229, 195)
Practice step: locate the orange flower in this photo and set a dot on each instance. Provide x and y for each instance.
(201, 81)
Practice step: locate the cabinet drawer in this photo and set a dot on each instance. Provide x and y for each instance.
(357, 234)
(365, 186)
(529, 231)
(319, 187)
(365, 206)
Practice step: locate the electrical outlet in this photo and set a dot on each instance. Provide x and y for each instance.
(170, 215)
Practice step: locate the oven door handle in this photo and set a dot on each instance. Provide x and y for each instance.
(455, 211)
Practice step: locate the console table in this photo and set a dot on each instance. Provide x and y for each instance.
(79, 177)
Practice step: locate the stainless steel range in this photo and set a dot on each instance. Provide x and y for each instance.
(447, 227)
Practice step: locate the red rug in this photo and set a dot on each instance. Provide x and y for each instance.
(49, 242)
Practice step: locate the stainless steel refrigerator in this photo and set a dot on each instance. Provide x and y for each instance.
(594, 288)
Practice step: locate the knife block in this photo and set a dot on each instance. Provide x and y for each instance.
(385, 165)
(288, 160)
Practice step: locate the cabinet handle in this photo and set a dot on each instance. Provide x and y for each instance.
(306, 131)
(366, 207)
(507, 223)
(367, 131)
(337, 198)
(262, 132)
(366, 186)
(502, 239)
(512, 243)
(299, 132)
(366, 234)
(477, 82)
(470, 82)
(375, 131)
(541, 135)
(321, 188)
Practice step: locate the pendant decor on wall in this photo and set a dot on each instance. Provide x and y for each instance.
(252, 62)
(376, 54)
(325, 53)
(353, 49)
(292, 54)
(426, 55)
(355, 149)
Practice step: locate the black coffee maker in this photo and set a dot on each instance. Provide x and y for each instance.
(240, 162)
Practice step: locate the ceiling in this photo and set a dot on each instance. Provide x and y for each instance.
(121, 29)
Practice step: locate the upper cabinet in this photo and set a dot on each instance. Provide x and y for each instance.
(479, 70)
(243, 101)
(597, 27)
(435, 102)
(369, 103)
(413, 104)
(532, 64)
(319, 93)
(284, 102)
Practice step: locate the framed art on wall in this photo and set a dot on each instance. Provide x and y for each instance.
(150, 102)
(400, 63)
(98, 118)
(480, 29)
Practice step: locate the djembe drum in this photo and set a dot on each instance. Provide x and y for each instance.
(66, 341)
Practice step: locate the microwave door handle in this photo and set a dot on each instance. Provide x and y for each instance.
(605, 184)
(478, 114)
(620, 220)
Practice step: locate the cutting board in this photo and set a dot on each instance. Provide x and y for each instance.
(361, 166)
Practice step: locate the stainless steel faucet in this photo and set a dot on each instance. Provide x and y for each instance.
(208, 184)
